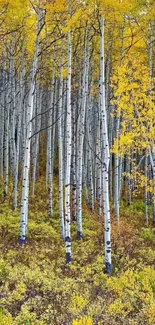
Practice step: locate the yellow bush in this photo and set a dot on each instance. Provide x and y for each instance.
(5, 319)
(77, 303)
(19, 292)
(83, 321)
(120, 308)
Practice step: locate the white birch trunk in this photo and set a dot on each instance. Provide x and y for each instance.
(6, 144)
(2, 121)
(68, 158)
(26, 167)
(49, 148)
(105, 158)
(116, 157)
(60, 143)
(81, 121)
(19, 123)
(36, 149)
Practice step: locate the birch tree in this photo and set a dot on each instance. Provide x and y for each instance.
(105, 156)
(30, 107)
(68, 155)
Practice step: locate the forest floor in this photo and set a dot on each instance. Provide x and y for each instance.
(37, 288)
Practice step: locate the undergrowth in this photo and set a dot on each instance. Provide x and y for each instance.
(37, 288)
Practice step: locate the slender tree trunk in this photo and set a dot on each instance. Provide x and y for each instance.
(26, 167)
(68, 157)
(2, 120)
(146, 191)
(60, 143)
(36, 149)
(81, 120)
(105, 158)
(19, 124)
(49, 148)
(6, 144)
(116, 157)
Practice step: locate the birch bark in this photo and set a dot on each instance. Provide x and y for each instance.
(26, 167)
(105, 157)
(68, 156)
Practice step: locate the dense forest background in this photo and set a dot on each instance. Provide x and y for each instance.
(77, 162)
